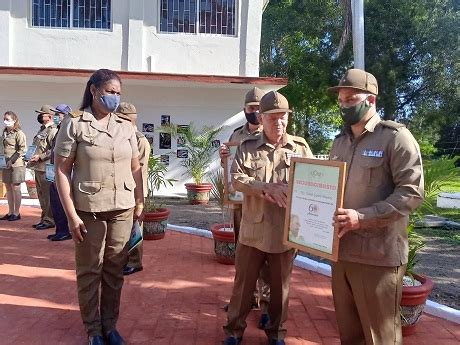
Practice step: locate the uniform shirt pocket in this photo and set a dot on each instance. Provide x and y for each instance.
(89, 187)
(372, 171)
(256, 169)
(129, 185)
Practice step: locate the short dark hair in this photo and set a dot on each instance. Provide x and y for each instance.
(98, 79)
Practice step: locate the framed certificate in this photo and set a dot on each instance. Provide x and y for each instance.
(315, 192)
(49, 172)
(30, 152)
(231, 196)
(2, 162)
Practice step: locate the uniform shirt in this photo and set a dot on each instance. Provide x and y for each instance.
(43, 141)
(256, 163)
(242, 133)
(14, 147)
(143, 146)
(101, 179)
(384, 184)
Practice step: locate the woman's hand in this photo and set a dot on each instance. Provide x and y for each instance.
(77, 228)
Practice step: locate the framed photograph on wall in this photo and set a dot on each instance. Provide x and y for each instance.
(231, 196)
(165, 120)
(148, 127)
(165, 140)
(164, 159)
(182, 153)
(315, 192)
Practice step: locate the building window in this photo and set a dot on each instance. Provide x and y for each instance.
(198, 16)
(90, 14)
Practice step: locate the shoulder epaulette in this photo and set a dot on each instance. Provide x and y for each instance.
(76, 113)
(392, 124)
(237, 129)
(139, 135)
(250, 137)
(299, 139)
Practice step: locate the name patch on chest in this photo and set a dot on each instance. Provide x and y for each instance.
(373, 153)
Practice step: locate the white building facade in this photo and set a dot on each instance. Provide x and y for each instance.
(191, 60)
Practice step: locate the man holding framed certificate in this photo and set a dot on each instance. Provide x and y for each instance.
(260, 170)
(384, 184)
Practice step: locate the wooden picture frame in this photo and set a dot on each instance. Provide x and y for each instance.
(231, 196)
(315, 191)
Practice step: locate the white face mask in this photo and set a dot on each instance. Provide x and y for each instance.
(9, 123)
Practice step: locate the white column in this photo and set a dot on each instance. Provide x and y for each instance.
(250, 24)
(5, 28)
(357, 10)
(135, 35)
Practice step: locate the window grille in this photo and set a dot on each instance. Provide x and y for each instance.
(91, 14)
(198, 16)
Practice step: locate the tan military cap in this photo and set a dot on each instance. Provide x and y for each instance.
(126, 108)
(254, 96)
(274, 102)
(45, 109)
(359, 80)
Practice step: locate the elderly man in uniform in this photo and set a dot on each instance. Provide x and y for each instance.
(261, 170)
(384, 184)
(62, 227)
(251, 128)
(128, 111)
(37, 162)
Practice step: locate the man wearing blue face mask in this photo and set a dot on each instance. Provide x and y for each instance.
(60, 219)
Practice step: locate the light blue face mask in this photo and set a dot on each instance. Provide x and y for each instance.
(56, 119)
(110, 102)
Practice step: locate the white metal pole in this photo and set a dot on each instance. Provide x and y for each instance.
(357, 11)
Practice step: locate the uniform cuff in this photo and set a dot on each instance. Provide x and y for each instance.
(367, 217)
(62, 151)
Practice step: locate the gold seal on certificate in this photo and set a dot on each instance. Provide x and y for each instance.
(231, 195)
(315, 192)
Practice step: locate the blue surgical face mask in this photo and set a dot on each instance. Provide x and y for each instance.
(110, 102)
(56, 119)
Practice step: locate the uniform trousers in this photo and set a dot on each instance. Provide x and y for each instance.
(366, 300)
(43, 193)
(248, 263)
(60, 219)
(100, 259)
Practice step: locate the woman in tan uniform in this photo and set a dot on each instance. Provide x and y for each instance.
(99, 180)
(14, 148)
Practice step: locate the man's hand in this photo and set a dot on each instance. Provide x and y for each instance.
(346, 220)
(276, 193)
(224, 151)
(34, 158)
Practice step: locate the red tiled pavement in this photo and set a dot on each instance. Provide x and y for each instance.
(177, 299)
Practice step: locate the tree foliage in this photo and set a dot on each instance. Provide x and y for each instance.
(411, 47)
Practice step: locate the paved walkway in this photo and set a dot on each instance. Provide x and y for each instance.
(177, 299)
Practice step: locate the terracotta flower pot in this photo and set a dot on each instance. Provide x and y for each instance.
(198, 194)
(155, 224)
(412, 303)
(224, 243)
(32, 189)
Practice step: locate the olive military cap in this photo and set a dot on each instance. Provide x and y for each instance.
(126, 108)
(45, 109)
(274, 102)
(254, 96)
(359, 80)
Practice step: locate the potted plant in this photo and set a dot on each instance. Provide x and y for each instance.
(155, 216)
(200, 148)
(416, 287)
(223, 233)
(31, 185)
